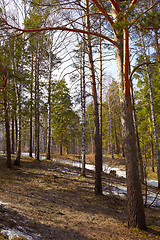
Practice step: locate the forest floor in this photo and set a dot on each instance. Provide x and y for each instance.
(51, 201)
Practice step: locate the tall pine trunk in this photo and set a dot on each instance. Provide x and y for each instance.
(100, 82)
(110, 127)
(37, 130)
(49, 108)
(136, 216)
(31, 112)
(83, 112)
(97, 138)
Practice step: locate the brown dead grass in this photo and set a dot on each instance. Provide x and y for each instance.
(54, 201)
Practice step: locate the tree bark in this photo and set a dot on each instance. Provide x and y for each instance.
(92, 140)
(49, 108)
(137, 136)
(110, 127)
(17, 161)
(12, 148)
(8, 143)
(136, 216)
(98, 151)
(117, 149)
(100, 82)
(31, 113)
(37, 104)
(83, 113)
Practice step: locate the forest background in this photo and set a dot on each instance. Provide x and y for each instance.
(46, 43)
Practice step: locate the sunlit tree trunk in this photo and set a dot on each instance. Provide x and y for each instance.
(136, 216)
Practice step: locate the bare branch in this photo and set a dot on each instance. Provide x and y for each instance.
(62, 28)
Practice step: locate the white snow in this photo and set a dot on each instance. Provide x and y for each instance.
(115, 189)
(2, 203)
(13, 233)
(119, 173)
(151, 182)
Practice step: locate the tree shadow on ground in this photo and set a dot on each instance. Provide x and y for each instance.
(11, 220)
(63, 191)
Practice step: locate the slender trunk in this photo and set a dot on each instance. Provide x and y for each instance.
(100, 81)
(14, 103)
(98, 151)
(8, 143)
(16, 127)
(83, 114)
(17, 161)
(19, 95)
(49, 108)
(137, 136)
(60, 149)
(110, 126)
(152, 109)
(31, 113)
(92, 140)
(117, 150)
(151, 137)
(19, 90)
(12, 148)
(37, 105)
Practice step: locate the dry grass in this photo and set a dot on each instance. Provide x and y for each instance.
(54, 201)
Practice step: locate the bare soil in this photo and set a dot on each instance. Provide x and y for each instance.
(51, 201)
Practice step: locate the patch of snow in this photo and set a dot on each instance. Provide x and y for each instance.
(13, 233)
(120, 173)
(116, 190)
(4, 204)
(151, 182)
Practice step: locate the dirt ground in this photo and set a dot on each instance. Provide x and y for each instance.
(51, 201)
